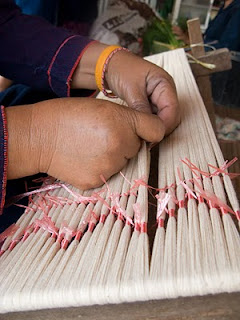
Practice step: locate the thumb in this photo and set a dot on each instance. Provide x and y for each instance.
(148, 127)
(137, 100)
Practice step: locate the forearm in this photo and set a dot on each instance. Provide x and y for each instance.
(84, 74)
(35, 53)
(23, 145)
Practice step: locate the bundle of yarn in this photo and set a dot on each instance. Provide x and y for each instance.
(75, 248)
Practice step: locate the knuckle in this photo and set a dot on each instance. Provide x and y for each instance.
(91, 183)
(141, 106)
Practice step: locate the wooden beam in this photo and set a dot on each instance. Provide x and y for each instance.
(197, 48)
(195, 37)
(221, 307)
(221, 58)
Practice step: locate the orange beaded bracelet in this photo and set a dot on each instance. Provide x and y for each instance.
(101, 66)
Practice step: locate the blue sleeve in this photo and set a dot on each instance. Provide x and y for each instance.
(3, 157)
(35, 53)
(230, 37)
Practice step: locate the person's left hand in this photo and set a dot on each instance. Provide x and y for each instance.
(141, 84)
(144, 86)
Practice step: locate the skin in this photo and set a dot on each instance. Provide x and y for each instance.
(181, 35)
(79, 139)
(76, 139)
(144, 86)
(227, 3)
(4, 83)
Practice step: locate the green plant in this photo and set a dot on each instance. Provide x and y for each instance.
(159, 31)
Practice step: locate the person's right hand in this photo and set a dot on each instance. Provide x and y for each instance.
(180, 34)
(76, 139)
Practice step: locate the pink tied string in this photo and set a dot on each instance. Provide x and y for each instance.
(116, 207)
(194, 168)
(47, 225)
(88, 222)
(213, 200)
(218, 171)
(225, 166)
(139, 225)
(27, 231)
(171, 213)
(79, 197)
(129, 221)
(29, 193)
(237, 214)
(82, 227)
(190, 193)
(200, 199)
(115, 202)
(25, 207)
(111, 195)
(22, 235)
(13, 243)
(45, 180)
(9, 232)
(40, 203)
(16, 240)
(125, 179)
(79, 234)
(54, 199)
(91, 226)
(173, 195)
(58, 201)
(181, 203)
(97, 196)
(135, 185)
(172, 186)
(92, 222)
(65, 234)
(212, 205)
(43, 205)
(141, 182)
(161, 223)
(102, 218)
(163, 199)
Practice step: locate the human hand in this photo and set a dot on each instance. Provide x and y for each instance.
(180, 34)
(143, 85)
(76, 139)
(4, 83)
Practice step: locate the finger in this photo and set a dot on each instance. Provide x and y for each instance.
(137, 100)
(164, 97)
(148, 127)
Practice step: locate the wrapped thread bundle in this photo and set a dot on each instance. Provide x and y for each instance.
(93, 248)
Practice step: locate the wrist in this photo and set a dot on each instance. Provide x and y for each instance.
(84, 74)
(23, 142)
(32, 135)
(102, 67)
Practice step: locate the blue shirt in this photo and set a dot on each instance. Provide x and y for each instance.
(37, 54)
(224, 29)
